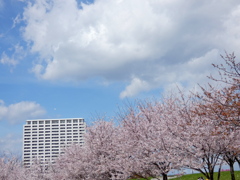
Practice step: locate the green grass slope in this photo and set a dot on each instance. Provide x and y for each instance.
(225, 175)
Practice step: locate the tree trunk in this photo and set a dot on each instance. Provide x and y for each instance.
(211, 175)
(219, 172)
(232, 170)
(164, 176)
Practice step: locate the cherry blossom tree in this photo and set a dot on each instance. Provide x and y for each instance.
(98, 159)
(39, 170)
(151, 143)
(207, 140)
(222, 105)
(150, 140)
(11, 168)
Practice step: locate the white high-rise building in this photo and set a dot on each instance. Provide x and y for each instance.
(44, 139)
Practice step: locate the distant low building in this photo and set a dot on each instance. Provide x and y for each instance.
(44, 139)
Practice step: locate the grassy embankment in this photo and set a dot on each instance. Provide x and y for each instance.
(225, 175)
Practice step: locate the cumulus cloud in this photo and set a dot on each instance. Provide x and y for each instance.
(18, 112)
(146, 43)
(136, 86)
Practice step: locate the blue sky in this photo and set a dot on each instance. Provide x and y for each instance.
(72, 58)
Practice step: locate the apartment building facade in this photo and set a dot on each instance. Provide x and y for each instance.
(45, 139)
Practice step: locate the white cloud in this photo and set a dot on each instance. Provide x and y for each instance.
(156, 42)
(21, 111)
(136, 86)
(5, 59)
(183, 75)
(12, 60)
(11, 143)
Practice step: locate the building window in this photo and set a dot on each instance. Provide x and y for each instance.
(55, 121)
